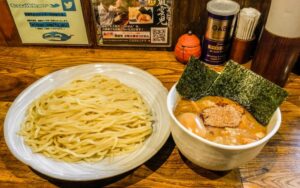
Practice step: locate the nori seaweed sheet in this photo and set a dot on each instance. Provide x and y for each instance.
(258, 95)
(195, 80)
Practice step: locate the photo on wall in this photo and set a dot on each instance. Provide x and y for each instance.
(133, 22)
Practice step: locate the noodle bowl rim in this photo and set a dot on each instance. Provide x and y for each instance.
(164, 133)
(265, 139)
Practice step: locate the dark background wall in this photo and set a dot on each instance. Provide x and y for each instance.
(187, 15)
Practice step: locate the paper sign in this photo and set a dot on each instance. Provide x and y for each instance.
(133, 22)
(49, 21)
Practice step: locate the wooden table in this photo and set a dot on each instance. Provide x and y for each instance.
(278, 165)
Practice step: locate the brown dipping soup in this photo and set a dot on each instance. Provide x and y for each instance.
(223, 120)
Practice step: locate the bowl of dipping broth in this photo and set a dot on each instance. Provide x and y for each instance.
(212, 155)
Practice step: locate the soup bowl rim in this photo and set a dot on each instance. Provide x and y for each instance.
(269, 135)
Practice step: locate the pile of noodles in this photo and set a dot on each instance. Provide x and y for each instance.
(87, 120)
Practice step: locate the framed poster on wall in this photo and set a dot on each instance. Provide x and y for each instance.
(55, 22)
(146, 23)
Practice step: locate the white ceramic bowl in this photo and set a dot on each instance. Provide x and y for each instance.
(211, 155)
(152, 90)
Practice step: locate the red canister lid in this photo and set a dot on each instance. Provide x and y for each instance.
(189, 40)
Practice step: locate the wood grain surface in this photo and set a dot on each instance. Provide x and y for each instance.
(7, 27)
(278, 165)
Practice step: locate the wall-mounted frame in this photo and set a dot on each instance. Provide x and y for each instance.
(54, 22)
(146, 23)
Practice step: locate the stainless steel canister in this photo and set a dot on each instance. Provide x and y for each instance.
(219, 30)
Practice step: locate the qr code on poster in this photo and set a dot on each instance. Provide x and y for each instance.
(159, 35)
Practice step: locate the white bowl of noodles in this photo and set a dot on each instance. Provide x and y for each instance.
(212, 155)
(153, 93)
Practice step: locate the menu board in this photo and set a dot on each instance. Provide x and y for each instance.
(133, 22)
(49, 21)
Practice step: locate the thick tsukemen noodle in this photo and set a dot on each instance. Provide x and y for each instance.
(87, 120)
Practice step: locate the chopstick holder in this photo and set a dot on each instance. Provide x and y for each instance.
(244, 40)
(242, 50)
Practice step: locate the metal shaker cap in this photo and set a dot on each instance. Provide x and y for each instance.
(223, 7)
